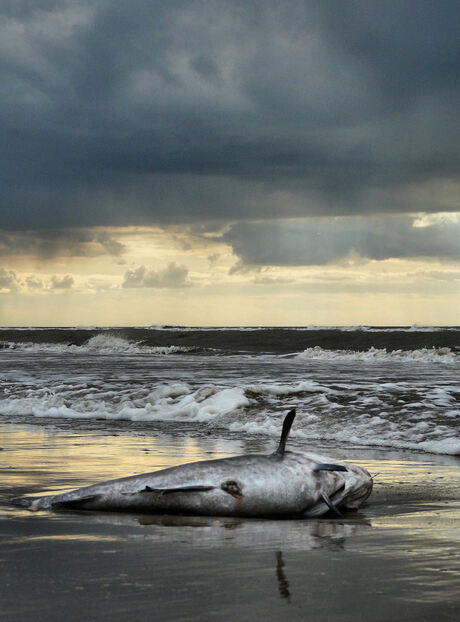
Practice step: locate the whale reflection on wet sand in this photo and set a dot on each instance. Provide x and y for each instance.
(220, 532)
(283, 583)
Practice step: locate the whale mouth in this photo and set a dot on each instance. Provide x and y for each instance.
(359, 496)
(343, 498)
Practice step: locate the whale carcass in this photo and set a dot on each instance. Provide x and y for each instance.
(283, 484)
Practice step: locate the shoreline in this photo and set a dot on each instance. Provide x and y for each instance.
(395, 559)
(240, 441)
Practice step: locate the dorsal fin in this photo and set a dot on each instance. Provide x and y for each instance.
(287, 423)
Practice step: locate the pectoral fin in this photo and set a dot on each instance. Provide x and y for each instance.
(326, 504)
(330, 504)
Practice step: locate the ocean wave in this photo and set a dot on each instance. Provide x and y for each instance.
(421, 355)
(106, 344)
(168, 402)
(310, 327)
(393, 414)
(415, 328)
(256, 341)
(99, 344)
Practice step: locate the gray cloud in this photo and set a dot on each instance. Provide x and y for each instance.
(48, 244)
(173, 276)
(147, 112)
(64, 282)
(319, 241)
(113, 247)
(213, 259)
(445, 275)
(34, 284)
(270, 280)
(8, 280)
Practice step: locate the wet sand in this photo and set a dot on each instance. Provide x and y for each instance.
(398, 559)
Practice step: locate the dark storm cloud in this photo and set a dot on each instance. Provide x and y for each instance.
(320, 241)
(116, 113)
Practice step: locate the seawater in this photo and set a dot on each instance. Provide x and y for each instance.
(353, 386)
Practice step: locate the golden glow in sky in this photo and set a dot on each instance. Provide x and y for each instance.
(148, 276)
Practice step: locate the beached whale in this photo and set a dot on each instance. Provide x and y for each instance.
(283, 484)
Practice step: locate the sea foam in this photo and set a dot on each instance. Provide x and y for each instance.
(421, 355)
(102, 343)
(387, 418)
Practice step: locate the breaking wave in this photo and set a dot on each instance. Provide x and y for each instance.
(386, 415)
(422, 355)
(353, 387)
(99, 344)
(106, 343)
(256, 340)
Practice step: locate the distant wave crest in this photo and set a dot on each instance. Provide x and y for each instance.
(99, 344)
(421, 355)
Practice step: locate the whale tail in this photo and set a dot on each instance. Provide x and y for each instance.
(22, 502)
(287, 424)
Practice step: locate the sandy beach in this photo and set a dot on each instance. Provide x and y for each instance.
(397, 559)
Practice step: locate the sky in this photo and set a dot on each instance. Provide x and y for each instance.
(229, 163)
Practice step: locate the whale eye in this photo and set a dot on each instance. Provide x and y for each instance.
(233, 488)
